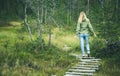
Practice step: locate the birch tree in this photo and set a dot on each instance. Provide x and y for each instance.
(51, 13)
(88, 6)
(26, 21)
(117, 11)
(40, 22)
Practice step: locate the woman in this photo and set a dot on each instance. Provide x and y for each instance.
(83, 28)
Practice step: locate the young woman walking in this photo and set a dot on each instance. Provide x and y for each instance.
(83, 28)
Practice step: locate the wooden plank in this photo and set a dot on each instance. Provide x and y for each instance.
(79, 56)
(90, 61)
(72, 75)
(75, 73)
(88, 65)
(81, 70)
(85, 63)
(87, 57)
(86, 68)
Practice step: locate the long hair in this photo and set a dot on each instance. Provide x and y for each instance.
(82, 16)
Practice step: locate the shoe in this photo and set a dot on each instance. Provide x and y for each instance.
(88, 55)
(83, 56)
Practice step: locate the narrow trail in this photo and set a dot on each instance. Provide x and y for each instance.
(87, 66)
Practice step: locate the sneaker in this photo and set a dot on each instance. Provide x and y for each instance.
(88, 55)
(83, 56)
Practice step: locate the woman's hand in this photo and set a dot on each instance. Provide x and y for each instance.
(95, 35)
(75, 36)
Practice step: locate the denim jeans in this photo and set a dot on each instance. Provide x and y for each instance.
(84, 38)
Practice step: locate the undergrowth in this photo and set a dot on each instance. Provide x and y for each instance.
(21, 57)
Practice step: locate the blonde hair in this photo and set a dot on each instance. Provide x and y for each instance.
(82, 16)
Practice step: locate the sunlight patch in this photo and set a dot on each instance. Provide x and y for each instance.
(14, 23)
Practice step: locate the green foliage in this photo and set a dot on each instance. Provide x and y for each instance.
(20, 57)
(108, 68)
(25, 57)
(111, 50)
(11, 9)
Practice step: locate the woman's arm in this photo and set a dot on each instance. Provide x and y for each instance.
(91, 28)
(78, 28)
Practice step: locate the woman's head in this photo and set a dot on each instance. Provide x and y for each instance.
(82, 17)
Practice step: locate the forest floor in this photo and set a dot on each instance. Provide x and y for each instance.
(19, 58)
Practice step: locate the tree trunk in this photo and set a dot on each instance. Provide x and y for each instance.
(101, 1)
(40, 26)
(42, 12)
(45, 17)
(50, 19)
(50, 27)
(88, 6)
(26, 23)
(69, 12)
(117, 11)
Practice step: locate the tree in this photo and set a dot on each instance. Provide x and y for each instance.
(26, 21)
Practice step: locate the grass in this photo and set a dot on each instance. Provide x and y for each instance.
(19, 58)
(63, 38)
(108, 68)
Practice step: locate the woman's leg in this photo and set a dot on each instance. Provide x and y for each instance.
(82, 44)
(87, 43)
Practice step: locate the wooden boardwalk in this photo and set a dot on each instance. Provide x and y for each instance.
(86, 67)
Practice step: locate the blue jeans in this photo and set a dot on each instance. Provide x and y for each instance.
(84, 38)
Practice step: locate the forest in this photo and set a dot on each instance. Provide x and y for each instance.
(37, 37)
